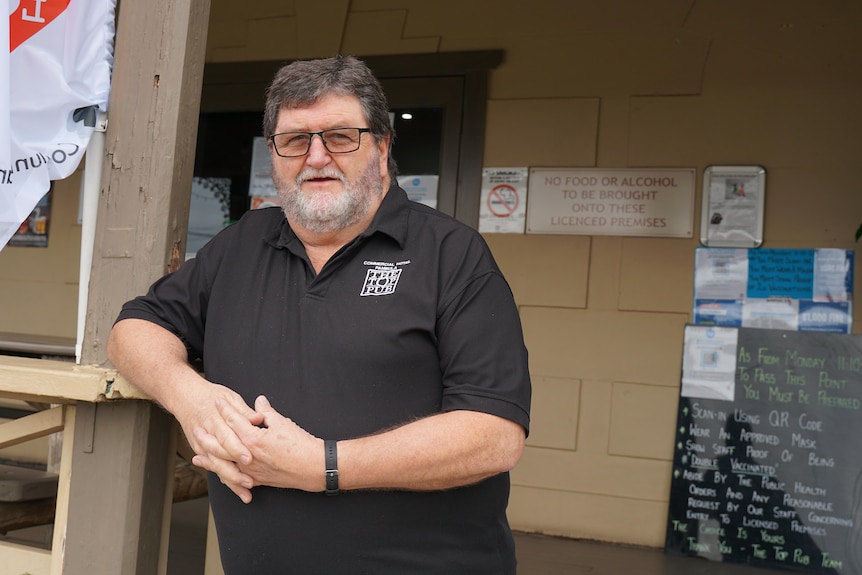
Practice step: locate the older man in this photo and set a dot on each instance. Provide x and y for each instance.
(355, 344)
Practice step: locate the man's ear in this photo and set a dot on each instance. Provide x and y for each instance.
(384, 148)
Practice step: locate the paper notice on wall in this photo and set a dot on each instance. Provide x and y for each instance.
(791, 289)
(422, 189)
(503, 207)
(209, 211)
(260, 181)
(709, 362)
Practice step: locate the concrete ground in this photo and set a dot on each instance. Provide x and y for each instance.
(537, 554)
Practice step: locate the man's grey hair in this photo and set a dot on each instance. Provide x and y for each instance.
(304, 82)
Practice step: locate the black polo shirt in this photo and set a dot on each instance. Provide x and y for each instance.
(410, 319)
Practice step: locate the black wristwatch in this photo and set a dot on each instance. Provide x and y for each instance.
(331, 466)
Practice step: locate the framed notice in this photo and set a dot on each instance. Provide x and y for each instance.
(733, 199)
(617, 202)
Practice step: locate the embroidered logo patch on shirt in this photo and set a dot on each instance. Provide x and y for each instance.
(382, 279)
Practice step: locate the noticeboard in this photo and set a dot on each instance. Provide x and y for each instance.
(767, 465)
(793, 289)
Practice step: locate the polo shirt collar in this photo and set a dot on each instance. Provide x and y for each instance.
(390, 219)
(391, 216)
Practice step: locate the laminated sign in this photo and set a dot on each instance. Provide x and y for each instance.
(54, 79)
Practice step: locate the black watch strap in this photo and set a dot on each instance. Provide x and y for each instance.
(330, 446)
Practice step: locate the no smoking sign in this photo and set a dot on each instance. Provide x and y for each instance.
(504, 195)
(503, 200)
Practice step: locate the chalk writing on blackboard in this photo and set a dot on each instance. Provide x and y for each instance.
(773, 476)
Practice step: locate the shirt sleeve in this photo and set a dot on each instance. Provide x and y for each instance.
(178, 303)
(482, 351)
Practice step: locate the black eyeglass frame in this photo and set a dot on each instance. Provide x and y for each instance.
(322, 139)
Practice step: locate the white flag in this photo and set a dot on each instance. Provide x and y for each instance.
(59, 62)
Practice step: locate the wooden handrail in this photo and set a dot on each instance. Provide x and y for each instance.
(72, 387)
(52, 381)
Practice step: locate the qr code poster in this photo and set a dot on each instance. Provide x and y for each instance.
(709, 362)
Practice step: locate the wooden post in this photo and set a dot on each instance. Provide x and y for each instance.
(123, 450)
(149, 156)
(118, 487)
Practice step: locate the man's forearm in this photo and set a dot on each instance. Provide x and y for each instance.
(438, 452)
(152, 359)
(155, 360)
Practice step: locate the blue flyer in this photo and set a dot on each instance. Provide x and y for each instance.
(793, 289)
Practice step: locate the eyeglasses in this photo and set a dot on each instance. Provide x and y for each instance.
(336, 141)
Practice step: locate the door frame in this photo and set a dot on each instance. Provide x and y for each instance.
(241, 86)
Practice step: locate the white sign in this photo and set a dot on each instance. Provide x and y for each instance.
(620, 202)
(58, 61)
(260, 181)
(709, 362)
(422, 189)
(209, 211)
(503, 207)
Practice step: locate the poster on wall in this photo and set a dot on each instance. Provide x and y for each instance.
(260, 186)
(422, 189)
(790, 289)
(209, 211)
(33, 232)
(733, 200)
(503, 203)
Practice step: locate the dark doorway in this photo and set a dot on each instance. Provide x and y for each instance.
(445, 93)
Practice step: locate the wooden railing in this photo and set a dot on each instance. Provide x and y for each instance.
(71, 393)
(65, 386)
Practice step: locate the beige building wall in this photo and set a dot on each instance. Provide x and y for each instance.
(39, 286)
(612, 84)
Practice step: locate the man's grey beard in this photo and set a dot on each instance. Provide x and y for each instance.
(324, 212)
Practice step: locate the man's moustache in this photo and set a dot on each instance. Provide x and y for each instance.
(314, 174)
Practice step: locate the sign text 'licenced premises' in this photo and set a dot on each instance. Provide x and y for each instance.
(620, 202)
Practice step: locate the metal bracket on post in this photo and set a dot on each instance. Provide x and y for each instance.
(102, 122)
(92, 117)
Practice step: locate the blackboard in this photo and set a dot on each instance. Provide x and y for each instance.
(767, 466)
